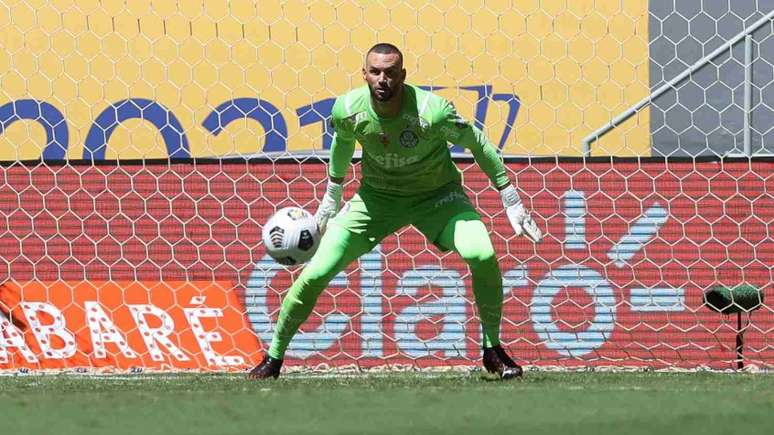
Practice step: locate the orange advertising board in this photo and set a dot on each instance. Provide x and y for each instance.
(124, 325)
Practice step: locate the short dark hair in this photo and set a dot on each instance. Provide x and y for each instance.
(386, 48)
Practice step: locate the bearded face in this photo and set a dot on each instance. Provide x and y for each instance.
(384, 74)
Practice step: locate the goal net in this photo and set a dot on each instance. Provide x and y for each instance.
(144, 144)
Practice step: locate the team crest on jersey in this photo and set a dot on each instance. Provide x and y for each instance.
(408, 139)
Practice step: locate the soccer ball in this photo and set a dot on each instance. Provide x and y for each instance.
(291, 236)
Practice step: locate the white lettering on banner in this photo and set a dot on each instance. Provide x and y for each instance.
(371, 287)
(599, 288)
(644, 229)
(305, 343)
(153, 337)
(657, 299)
(513, 279)
(451, 338)
(43, 333)
(205, 338)
(574, 220)
(573, 344)
(103, 330)
(10, 336)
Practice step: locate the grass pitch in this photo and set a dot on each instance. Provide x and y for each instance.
(397, 403)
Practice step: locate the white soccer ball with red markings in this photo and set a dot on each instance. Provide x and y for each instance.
(291, 236)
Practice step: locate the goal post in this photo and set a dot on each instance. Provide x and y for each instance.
(144, 144)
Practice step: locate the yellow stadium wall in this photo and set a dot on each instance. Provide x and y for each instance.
(573, 65)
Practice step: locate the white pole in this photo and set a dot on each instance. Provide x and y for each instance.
(670, 84)
(747, 93)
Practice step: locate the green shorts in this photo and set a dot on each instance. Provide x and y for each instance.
(376, 214)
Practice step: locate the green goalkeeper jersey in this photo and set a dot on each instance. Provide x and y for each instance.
(408, 153)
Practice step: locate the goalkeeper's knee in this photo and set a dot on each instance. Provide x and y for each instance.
(484, 256)
(311, 283)
(476, 249)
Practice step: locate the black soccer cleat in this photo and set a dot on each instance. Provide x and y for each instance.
(268, 368)
(497, 361)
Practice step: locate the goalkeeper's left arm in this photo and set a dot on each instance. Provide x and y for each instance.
(459, 131)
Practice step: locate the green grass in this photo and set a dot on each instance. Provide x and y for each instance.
(543, 403)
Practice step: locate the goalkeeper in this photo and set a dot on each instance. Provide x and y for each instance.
(408, 178)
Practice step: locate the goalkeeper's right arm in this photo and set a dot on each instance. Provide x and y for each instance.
(329, 205)
(342, 149)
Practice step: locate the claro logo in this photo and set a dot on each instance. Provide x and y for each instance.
(598, 291)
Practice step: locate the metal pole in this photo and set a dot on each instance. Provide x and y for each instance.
(670, 84)
(747, 93)
(739, 342)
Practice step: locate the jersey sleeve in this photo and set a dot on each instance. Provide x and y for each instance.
(455, 129)
(343, 145)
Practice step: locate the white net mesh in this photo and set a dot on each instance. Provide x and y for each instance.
(145, 143)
